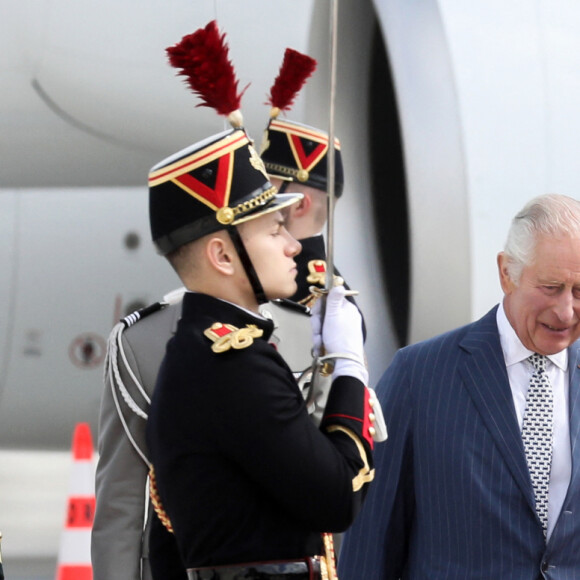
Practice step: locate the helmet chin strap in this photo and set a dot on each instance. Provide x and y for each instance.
(283, 187)
(247, 264)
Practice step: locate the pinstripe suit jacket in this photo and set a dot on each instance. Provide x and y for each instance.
(452, 497)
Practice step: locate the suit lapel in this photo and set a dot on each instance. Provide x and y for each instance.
(574, 402)
(485, 376)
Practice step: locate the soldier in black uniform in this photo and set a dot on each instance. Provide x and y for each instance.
(296, 159)
(121, 473)
(248, 484)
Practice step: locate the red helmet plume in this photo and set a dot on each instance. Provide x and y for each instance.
(202, 58)
(295, 69)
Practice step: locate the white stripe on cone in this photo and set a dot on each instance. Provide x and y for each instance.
(74, 556)
(77, 545)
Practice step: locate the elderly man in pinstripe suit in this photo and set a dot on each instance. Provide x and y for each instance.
(456, 494)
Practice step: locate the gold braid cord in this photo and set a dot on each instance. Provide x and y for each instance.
(156, 501)
(328, 562)
(365, 474)
(309, 301)
(316, 292)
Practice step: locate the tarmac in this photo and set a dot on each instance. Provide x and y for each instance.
(34, 486)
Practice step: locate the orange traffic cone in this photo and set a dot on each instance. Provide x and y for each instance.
(1, 567)
(74, 557)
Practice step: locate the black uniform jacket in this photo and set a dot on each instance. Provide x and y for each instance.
(242, 472)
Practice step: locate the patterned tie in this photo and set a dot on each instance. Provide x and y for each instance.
(537, 434)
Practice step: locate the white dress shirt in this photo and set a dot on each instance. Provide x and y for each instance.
(520, 371)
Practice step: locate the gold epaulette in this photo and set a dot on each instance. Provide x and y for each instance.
(226, 336)
(317, 272)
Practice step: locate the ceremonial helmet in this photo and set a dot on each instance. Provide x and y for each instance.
(209, 186)
(295, 152)
(292, 151)
(221, 181)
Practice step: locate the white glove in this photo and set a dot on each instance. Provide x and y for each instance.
(341, 334)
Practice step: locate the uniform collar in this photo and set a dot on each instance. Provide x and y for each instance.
(206, 310)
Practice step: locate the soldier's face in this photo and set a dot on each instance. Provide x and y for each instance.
(272, 249)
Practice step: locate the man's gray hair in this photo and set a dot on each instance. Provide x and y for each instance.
(547, 215)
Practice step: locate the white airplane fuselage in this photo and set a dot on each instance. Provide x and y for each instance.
(451, 115)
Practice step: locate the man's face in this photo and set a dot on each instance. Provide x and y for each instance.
(307, 217)
(544, 307)
(272, 249)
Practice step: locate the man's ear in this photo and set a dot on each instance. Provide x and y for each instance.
(507, 284)
(220, 255)
(302, 207)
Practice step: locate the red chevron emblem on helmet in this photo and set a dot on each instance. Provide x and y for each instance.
(307, 161)
(216, 197)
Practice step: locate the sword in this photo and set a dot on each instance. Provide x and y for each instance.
(328, 366)
(331, 172)
(331, 157)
